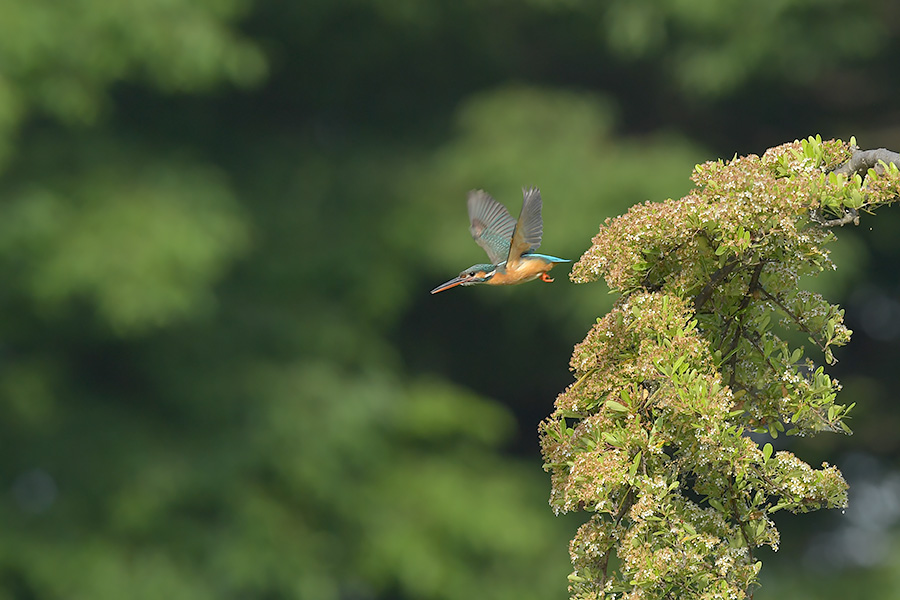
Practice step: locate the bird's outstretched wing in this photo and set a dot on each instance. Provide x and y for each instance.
(491, 225)
(530, 227)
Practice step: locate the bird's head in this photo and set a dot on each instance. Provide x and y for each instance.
(471, 276)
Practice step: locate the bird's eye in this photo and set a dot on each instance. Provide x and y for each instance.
(472, 274)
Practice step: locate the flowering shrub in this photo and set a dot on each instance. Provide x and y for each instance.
(652, 437)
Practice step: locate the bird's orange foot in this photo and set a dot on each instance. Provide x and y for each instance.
(546, 277)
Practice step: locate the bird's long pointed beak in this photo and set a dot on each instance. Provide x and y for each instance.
(446, 286)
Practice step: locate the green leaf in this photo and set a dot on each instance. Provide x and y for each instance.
(611, 439)
(616, 406)
(635, 463)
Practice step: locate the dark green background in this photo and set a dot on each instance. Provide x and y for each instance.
(221, 373)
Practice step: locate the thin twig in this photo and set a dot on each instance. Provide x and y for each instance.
(627, 503)
(741, 310)
(741, 523)
(645, 283)
(851, 215)
(714, 280)
(794, 317)
(756, 346)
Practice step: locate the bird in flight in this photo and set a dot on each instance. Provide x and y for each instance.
(510, 244)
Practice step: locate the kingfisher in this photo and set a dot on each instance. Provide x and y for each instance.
(510, 244)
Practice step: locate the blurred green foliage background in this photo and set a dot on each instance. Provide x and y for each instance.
(221, 373)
